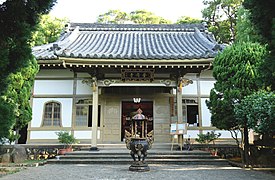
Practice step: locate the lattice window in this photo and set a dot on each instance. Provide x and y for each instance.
(84, 115)
(81, 116)
(52, 114)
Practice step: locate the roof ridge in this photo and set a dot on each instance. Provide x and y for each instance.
(137, 27)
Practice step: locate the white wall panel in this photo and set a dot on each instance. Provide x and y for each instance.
(206, 86)
(206, 115)
(192, 134)
(191, 89)
(53, 87)
(85, 134)
(83, 88)
(66, 111)
(43, 135)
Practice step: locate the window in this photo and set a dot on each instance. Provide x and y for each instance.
(84, 115)
(81, 116)
(190, 111)
(52, 114)
(193, 115)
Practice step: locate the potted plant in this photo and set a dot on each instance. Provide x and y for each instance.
(67, 139)
(207, 138)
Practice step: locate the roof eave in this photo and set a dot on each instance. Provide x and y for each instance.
(135, 61)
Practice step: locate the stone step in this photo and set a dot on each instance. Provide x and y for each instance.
(122, 156)
(219, 162)
(127, 156)
(127, 152)
(122, 145)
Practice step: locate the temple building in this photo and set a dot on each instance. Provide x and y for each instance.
(96, 75)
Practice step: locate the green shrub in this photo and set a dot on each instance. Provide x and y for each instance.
(208, 137)
(66, 138)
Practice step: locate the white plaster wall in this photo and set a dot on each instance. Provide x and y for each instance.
(83, 88)
(192, 134)
(205, 113)
(38, 106)
(43, 134)
(206, 86)
(53, 87)
(60, 73)
(85, 134)
(190, 75)
(224, 134)
(191, 89)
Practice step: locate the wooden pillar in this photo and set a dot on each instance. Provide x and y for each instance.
(93, 83)
(179, 105)
(179, 111)
(74, 103)
(199, 103)
(94, 116)
(181, 83)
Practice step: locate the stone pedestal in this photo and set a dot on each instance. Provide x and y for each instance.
(139, 167)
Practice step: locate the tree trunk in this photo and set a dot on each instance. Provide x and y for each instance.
(234, 135)
(246, 146)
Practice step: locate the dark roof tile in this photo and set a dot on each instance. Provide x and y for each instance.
(131, 41)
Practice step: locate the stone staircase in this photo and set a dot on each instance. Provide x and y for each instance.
(120, 155)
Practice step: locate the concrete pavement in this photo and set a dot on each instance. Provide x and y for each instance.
(121, 172)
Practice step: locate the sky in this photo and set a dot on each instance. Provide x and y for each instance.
(88, 10)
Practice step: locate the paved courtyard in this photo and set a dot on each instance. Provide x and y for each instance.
(112, 172)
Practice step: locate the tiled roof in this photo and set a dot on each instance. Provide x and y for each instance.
(132, 41)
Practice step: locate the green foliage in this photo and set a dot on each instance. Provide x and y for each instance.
(208, 137)
(7, 117)
(268, 71)
(145, 17)
(137, 17)
(13, 136)
(221, 17)
(17, 21)
(245, 30)
(113, 17)
(66, 138)
(187, 20)
(19, 92)
(262, 16)
(236, 72)
(259, 111)
(48, 30)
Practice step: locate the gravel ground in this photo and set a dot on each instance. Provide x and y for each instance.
(111, 172)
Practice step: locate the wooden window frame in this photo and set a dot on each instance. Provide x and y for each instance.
(52, 115)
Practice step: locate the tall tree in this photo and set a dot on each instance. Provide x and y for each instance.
(245, 30)
(113, 17)
(236, 72)
(18, 94)
(146, 17)
(187, 20)
(258, 110)
(137, 17)
(221, 16)
(18, 18)
(48, 30)
(263, 17)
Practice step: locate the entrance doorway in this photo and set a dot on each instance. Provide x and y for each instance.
(129, 107)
